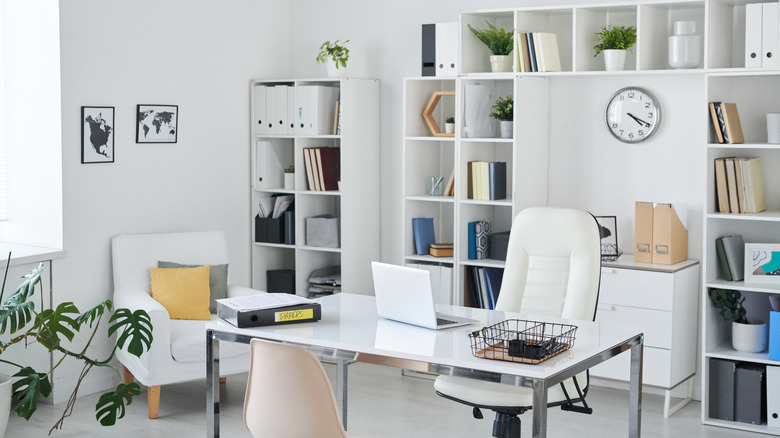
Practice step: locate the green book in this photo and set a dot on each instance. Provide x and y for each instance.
(724, 263)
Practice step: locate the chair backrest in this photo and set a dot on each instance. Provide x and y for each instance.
(134, 254)
(553, 264)
(288, 394)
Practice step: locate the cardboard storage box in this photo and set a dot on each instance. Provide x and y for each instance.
(323, 231)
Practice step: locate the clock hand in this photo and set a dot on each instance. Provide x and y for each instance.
(638, 120)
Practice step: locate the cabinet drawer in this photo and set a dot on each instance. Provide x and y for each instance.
(630, 287)
(656, 368)
(656, 324)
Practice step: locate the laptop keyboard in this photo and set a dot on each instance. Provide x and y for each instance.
(444, 321)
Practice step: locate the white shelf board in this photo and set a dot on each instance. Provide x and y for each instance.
(485, 263)
(318, 248)
(741, 285)
(503, 202)
(272, 190)
(724, 351)
(761, 428)
(487, 140)
(432, 139)
(319, 192)
(426, 198)
(429, 258)
(717, 146)
(767, 216)
(274, 245)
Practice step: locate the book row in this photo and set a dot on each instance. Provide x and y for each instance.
(537, 52)
(725, 121)
(487, 180)
(323, 167)
(484, 285)
(739, 184)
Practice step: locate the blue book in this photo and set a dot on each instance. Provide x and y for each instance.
(422, 227)
(497, 180)
(494, 279)
(472, 234)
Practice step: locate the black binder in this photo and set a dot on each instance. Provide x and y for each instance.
(750, 393)
(721, 384)
(429, 50)
(275, 316)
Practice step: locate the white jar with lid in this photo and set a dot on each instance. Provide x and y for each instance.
(684, 46)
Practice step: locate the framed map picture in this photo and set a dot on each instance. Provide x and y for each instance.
(608, 234)
(762, 263)
(97, 134)
(157, 123)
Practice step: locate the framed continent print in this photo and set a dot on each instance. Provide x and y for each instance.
(97, 134)
(157, 123)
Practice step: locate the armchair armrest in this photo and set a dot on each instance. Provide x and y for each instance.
(235, 290)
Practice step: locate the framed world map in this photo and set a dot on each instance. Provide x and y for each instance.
(157, 123)
(97, 134)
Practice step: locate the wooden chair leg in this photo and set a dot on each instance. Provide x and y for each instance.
(153, 394)
(127, 376)
(222, 379)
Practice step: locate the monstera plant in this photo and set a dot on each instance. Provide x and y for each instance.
(50, 328)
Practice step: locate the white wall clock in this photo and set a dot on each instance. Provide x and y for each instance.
(633, 114)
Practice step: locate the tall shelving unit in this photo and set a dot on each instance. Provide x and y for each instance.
(356, 203)
(721, 23)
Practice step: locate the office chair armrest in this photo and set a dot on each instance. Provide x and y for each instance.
(235, 290)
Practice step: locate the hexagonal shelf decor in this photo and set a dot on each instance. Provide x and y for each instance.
(428, 113)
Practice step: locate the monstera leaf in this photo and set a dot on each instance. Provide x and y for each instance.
(90, 316)
(135, 326)
(17, 310)
(51, 324)
(111, 405)
(28, 390)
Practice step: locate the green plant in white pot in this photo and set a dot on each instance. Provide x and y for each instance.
(746, 336)
(503, 111)
(335, 56)
(53, 329)
(500, 43)
(614, 42)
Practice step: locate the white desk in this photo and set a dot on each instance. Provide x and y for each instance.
(350, 327)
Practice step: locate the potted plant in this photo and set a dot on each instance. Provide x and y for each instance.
(746, 336)
(289, 177)
(499, 42)
(449, 125)
(614, 41)
(503, 111)
(335, 56)
(50, 329)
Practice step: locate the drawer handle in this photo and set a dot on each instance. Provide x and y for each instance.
(607, 307)
(609, 271)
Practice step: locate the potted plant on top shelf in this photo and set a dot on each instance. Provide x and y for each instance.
(51, 329)
(614, 41)
(503, 110)
(335, 56)
(499, 42)
(746, 336)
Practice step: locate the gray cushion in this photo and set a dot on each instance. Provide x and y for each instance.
(217, 280)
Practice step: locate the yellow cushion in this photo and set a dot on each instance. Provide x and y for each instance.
(184, 292)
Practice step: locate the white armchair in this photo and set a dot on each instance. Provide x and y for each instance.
(178, 352)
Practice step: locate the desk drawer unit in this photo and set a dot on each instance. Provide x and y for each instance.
(662, 300)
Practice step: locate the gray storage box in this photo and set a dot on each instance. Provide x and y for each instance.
(324, 231)
(498, 245)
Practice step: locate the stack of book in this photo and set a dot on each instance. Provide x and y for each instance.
(484, 285)
(731, 254)
(739, 183)
(537, 52)
(487, 180)
(323, 167)
(441, 249)
(725, 121)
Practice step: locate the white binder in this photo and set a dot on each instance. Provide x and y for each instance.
(770, 36)
(258, 106)
(291, 107)
(301, 109)
(753, 12)
(322, 106)
(270, 110)
(280, 121)
(446, 49)
(773, 396)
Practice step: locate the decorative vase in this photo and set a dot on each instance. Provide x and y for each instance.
(614, 60)
(289, 181)
(506, 128)
(449, 128)
(684, 46)
(749, 338)
(6, 389)
(500, 63)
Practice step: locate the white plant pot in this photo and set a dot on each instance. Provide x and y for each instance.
(614, 60)
(334, 72)
(6, 389)
(506, 128)
(289, 181)
(749, 338)
(500, 63)
(449, 128)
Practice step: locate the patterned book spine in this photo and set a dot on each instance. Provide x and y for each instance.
(482, 232)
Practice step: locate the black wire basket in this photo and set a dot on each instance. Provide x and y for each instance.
(518, 340)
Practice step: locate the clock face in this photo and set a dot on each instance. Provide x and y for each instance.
(633, 114)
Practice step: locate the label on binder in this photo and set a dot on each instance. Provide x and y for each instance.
(294, 315)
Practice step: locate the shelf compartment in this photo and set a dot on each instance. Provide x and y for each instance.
(657, 24)
(588, 21)
(496, 88)
(418, 92)
(481, 151)
(755, 95)
(269, 159)
(424, 160)
(499, 216)
(770, 159)
(443, 218)
(474, 55)
(268, 256)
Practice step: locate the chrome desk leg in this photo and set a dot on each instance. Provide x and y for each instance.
(341, 388)
(635, 390)
(539, 427)
(212, 385)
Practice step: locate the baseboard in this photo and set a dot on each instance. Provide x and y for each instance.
(678, 392)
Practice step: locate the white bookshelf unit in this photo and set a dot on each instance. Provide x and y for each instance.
(721, 76)
(355, 203)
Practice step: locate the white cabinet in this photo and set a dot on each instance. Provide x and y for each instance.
(341, 113)
(662, 300)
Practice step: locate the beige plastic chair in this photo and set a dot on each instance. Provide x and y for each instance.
(553, 267)
(288, 394)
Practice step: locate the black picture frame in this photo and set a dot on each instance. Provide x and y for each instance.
(609, 240)
(157, 123)
(97, 134)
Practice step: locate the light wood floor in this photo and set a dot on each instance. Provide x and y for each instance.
(382, 403)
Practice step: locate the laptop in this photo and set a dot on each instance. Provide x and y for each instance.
(404, 294)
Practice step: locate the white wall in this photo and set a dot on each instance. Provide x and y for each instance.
(197, 54)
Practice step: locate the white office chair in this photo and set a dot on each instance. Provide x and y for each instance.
(178, 352)
(553, 267)
(288, 394)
